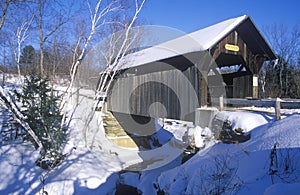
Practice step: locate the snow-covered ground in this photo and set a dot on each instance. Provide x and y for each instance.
(95, 166)
(243, 168)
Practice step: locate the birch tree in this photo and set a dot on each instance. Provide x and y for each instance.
(21, 34)
(120, 44)
(102, 15)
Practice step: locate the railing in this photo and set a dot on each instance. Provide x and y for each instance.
(285, 104)
(276, 103)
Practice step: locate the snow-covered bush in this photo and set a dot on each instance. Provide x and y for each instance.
(39, 105)
(214, 175)
(220, 177)
(284, 163)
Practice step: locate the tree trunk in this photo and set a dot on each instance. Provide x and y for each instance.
(40, 24)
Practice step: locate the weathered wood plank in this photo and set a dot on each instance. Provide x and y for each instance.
(166, 87)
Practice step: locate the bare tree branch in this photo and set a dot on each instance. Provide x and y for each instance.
(42, 37)
(122, 52)
(21, 35)
(4, 11)
(286, 44)
(97, 20)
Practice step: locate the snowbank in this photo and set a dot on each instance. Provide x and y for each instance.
(18, 170)
(242, 168)
(244, 120)
(81, 173)
(281, 188)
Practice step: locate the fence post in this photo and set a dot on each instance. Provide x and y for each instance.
(221, 103)
(3, 78)
(277, 109)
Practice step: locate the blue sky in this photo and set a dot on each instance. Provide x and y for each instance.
(192, 15)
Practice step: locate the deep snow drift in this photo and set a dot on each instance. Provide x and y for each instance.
(244, 168)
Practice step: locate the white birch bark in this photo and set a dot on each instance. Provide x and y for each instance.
(21, 35)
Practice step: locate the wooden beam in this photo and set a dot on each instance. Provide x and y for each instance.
(204, 91)
(255, 86)
(277, 109)
(236, 74)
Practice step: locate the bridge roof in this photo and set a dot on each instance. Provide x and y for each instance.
(201, 40)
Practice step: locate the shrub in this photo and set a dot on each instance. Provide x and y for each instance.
(39, 105)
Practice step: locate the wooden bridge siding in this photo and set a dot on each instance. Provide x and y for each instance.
(146, 89)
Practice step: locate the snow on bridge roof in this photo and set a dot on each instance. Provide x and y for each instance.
(201, 40)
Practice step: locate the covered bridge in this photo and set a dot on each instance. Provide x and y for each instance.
(174, 78)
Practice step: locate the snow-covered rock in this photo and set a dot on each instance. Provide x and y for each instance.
(199, 136)
(244, 120)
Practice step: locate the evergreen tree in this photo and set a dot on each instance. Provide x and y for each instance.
(28, 58)
(39, 106)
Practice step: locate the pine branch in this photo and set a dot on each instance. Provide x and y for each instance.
(9, 104)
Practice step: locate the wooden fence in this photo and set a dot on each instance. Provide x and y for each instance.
(276, 103)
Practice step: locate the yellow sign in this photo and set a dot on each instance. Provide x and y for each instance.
(232, 47)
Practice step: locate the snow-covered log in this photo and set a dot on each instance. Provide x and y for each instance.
(10, 105)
